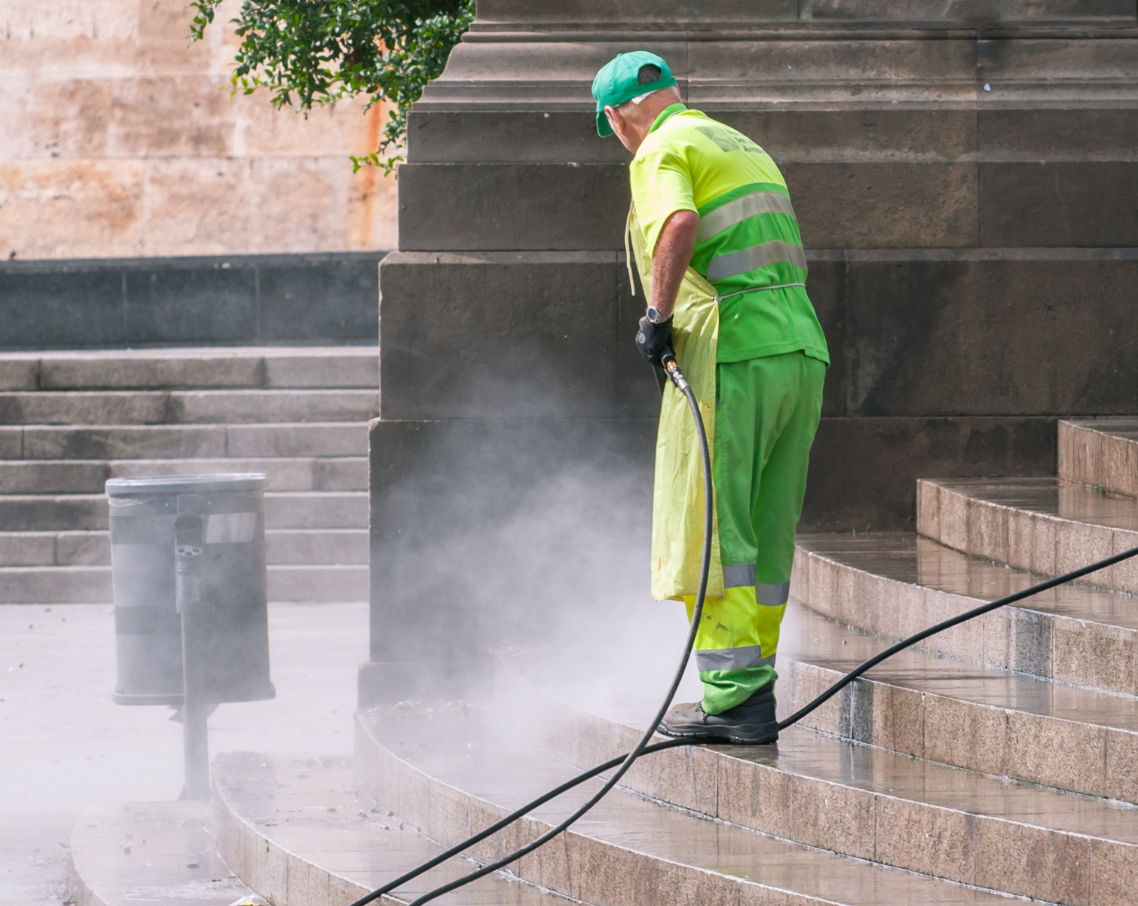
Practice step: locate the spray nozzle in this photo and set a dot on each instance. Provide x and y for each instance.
(672, 369)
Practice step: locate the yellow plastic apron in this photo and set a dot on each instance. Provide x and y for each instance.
(677, 493)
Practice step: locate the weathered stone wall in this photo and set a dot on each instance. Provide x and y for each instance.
(119, 138)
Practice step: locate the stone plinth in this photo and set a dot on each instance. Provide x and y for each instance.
(966, 184)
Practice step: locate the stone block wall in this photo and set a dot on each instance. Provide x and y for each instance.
(119, 138)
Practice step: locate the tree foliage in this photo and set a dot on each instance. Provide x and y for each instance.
(315, 52)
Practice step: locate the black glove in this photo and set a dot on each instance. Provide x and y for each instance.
(654, 340)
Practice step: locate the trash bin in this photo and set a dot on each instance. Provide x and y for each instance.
(217, 525)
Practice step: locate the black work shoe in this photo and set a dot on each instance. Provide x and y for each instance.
(751, 723)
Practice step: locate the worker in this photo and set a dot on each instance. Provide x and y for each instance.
(720, 258)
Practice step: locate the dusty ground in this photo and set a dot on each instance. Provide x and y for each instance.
(63, 743)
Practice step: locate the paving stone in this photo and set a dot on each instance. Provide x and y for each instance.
(52, 477)
(230, 406)
(148, 370)
(45, 512)
(331, 439)
(18, 372)
(124, 442)
(84, 408)
(27, 548)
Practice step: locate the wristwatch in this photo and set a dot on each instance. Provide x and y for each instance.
(654, 316)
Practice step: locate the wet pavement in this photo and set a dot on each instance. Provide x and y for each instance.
(64, 744)
(910, 558)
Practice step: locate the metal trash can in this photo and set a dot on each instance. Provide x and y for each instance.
(198, 539)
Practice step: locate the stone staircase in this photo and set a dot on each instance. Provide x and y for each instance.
(71, 420)
(998, 760)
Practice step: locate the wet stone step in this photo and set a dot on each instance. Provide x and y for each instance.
(92, 584)
(347, 473)
(874, 804)
(285, 510)
(151, 854)
(157, 407)
(284, 547)
(454, 770)
(252, 367)
(301, 835)
(957, 713)
(1045, 525)
(110, 442)
(895, 584)
(1101, 452)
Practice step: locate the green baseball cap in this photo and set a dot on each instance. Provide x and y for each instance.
(619, 81)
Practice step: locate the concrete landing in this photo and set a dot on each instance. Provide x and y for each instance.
(151, 854)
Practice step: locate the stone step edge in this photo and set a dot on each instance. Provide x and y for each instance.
(757, 795)
(92, 584)
(1023, 538)
(997, 741)
(1091, 454)
(430, 802)
(1007, 638)
(267, 867)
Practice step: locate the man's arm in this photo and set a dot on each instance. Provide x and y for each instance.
(673, 255)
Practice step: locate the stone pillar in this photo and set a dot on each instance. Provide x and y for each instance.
(967, 185)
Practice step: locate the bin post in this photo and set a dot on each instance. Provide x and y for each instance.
(195, 709)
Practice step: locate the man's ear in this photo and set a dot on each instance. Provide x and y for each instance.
(613, 118)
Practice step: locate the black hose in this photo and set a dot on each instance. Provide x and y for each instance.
(624, 762)
(705, 567)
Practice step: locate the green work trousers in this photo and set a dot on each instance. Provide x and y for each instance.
(766, 413)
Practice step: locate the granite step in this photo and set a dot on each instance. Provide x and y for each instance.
(302, 835)
(283, 547)
(85, 512)
(127, 442)
(896, 584)
(1045, 525)
(174, 407)
(867, 803)
(949, 711)
(451, 770)
(1100, 452)
(233, 367)
(92, 584)
(86, 476)
(151, 854)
